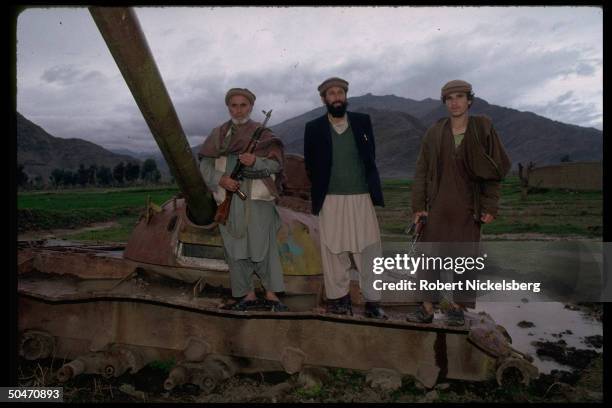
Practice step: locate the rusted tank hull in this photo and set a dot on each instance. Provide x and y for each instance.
(71, 305)
(290, 342)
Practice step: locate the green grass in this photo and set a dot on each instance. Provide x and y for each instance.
(555, 212)
(93, 198)
(165, 365)
(119, 233)
(77, 208)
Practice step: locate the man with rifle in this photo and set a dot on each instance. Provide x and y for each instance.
(456, 189)
(242, 163)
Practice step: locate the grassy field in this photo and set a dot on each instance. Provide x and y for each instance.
(546, 211)
(78, 208)
(550, 212)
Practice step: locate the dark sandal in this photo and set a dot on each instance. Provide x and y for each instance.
(455, 318)
(420, 316)
(276, 306)
(244, 305)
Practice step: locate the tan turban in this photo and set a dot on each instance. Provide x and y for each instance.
(240, 91)
(328, 83)
(456, 85)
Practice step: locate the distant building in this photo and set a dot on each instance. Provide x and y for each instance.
(571, 175)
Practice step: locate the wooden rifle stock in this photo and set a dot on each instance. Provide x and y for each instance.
(223, 210)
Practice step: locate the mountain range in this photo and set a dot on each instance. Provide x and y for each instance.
(399, 124)
(40, 153)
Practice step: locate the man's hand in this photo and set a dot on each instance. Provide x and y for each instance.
(418, 214)
(248, 159)
(229, 183)
(486, 218)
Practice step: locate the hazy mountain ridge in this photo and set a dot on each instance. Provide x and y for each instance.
(399, 124)
(40, 153)
(526, 136)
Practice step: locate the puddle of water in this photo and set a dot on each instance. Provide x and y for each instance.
(549, 318)
(52, 242)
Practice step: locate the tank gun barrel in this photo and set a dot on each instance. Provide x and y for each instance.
(123, 35)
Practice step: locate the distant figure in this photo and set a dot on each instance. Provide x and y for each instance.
(249, 236)
(456, 185)
(340, 162)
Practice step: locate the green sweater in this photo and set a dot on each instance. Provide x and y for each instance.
(347, 172)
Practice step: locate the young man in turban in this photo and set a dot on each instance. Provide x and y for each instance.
(456, 185)
(339, 155)
(249, 235)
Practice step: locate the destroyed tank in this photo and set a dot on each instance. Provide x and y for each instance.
(112, 309)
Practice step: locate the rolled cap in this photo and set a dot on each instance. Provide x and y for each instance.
(240, 91)
(456, 85)
(334, 81)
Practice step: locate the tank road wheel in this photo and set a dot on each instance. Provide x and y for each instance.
(36, 345)
(510, 367)
(214, 370)
(179, 375)
(111, 363)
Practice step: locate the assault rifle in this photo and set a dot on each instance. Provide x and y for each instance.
(224, 209)
(416, 230)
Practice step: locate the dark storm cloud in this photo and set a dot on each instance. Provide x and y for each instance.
(570, 109)
(517, 58)
(67, 75)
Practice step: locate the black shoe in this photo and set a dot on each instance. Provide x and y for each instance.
(420, 316)
(276, 306)
(374, 311)
(244, 305)
(455, 317)
(346, 303)
(341, 306)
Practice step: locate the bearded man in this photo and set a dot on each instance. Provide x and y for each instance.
(249, 235)
(339, 154)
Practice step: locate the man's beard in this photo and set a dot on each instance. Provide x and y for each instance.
(241, 121)
(337, 111)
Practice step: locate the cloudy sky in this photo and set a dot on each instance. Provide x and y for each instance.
(548, 60)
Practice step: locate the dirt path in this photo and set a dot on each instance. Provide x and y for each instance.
(60, 233)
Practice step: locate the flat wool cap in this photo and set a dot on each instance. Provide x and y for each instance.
(456, 85)
(240, 91)
(335, 81)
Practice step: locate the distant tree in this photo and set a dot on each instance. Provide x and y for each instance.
(38, 181)
(132, 171)
(69, 178)
(566, 159)
(119, 173)
(104, 176)
(150, 172)
(91, 175)
(22, 177)
(57, 177)
(82, 175)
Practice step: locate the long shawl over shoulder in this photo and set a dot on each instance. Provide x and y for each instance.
(485, 156)
(269, 147)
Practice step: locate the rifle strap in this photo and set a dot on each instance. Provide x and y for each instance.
(228, 137)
